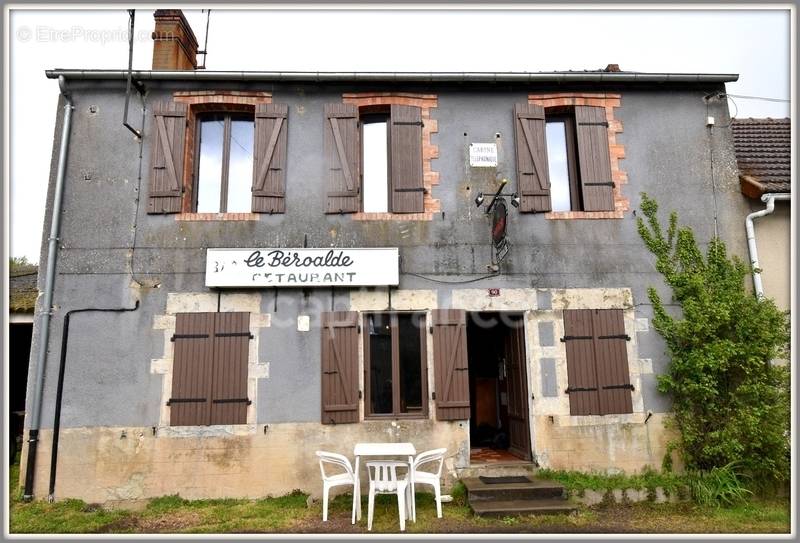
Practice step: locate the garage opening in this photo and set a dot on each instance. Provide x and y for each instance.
(499, 407)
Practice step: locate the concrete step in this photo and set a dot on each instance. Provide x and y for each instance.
(536, 489)
(498, 470)
(508, 508)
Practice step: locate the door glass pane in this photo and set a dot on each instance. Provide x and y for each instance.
(209, 180)
(240, 176)
(376, 167)
(380, 360)
(558, 166)
(410, 362)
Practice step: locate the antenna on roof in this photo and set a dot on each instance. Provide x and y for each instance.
(204, 52)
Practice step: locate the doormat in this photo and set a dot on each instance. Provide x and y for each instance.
(504, 480)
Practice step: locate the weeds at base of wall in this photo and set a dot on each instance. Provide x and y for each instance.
(459, 493)
(719, 487)
(577, 483)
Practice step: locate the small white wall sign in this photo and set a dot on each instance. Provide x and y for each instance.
(303, 323)
(483, 155)
(273, 267)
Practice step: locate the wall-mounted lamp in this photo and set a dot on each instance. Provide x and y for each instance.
(497, 195)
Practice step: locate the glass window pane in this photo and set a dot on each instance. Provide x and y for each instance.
(376, 167)
(209, 180)
(410, 362)
(240, 174)
(380, 360)
(558, 166)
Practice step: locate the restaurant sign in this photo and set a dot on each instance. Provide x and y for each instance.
(325, 267)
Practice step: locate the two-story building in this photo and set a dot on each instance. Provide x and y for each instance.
(299, 261)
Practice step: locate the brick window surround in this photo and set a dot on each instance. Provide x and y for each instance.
(617, 151)
(207, 101)
(429, 151)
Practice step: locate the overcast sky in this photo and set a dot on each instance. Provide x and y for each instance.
(754, 44)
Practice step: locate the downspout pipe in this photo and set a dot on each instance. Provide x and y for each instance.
(47, 304)
(769, 199)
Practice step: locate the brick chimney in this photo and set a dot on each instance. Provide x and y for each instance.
(175, 45)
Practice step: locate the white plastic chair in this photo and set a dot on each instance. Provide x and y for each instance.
(427, 478)
(339, 479)
(383, 480)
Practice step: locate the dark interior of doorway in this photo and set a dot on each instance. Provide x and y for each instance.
(487, 346)
(19, 336)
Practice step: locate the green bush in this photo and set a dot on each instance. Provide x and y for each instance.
(730, 403)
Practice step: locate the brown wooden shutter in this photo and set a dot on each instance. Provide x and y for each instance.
(533, 177)
(406, 159)
(343, 158)
(166, 175)
(450, 364)
(581, 370)
(339, 367)
(611, 355)
(229, 399)
(594, 159)
(192, 369)
(269, 165)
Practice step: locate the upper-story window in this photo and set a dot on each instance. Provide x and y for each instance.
(374, 159)
(375, 150)
(562, 164)
(563, 158)
(217, 159)
(224, 163)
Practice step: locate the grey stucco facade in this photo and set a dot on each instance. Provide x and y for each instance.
(112, 253)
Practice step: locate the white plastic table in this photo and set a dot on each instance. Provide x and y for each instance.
(380, 449)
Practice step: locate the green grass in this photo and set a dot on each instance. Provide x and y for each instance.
(292, 514)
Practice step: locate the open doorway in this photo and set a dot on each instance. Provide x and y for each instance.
(499, 417)
(19, 351)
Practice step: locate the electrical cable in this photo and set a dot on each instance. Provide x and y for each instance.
(138, 197)
(759, 98)
(60, 386)
(711, 164)
(473, 280)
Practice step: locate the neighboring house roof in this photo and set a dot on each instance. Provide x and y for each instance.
(22, 291)
(763, 155)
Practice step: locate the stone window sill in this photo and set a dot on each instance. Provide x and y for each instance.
(217, 217)
(424, 216)
(619, 214)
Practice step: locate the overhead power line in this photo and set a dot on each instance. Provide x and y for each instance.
(758, 98)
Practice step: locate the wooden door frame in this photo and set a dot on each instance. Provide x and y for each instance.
(525, 401)
(527, 373)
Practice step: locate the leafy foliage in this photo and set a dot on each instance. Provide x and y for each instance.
(730, 403)
(719, 486)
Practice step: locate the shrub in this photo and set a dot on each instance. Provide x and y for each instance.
(730, 403)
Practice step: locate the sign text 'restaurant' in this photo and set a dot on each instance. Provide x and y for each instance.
(274, 267)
